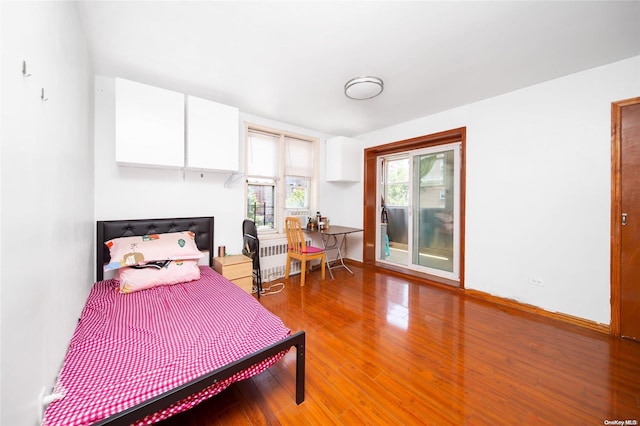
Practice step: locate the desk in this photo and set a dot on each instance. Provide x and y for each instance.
(334, 238)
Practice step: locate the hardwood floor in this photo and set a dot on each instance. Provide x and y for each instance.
(381, 350)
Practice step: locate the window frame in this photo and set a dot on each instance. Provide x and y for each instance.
(280, 211)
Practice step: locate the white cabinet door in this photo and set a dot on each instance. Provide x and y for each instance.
(343, 159)
(212, 135)
(149, 125)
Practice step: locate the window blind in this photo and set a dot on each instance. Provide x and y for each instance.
(262, 154)
(298, 157)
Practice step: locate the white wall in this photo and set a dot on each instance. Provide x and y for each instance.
(538, 191)
(538, 188)
(125, 192)
(47, 197)
(342, 203)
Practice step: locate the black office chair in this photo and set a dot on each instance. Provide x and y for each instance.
(251, 248)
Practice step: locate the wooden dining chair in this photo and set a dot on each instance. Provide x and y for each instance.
(298, 248)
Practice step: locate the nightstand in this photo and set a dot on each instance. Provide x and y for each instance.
(237, 269)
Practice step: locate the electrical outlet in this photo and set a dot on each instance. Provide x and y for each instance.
(536, 281)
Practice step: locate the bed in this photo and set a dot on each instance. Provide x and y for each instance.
(125, 365)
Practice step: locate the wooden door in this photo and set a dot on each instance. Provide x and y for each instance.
(630, 223)
(626, 220)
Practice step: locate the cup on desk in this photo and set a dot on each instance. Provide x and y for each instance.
(222, 251)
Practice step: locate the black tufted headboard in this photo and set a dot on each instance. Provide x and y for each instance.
(109, 229)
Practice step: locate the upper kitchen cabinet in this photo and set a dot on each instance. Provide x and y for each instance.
(149, 125)
(212, 135)
(343, 159)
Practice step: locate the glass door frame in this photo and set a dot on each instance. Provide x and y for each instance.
(371, 203)
(413, 208)
(381, 192)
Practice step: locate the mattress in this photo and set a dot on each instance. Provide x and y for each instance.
(128, 348)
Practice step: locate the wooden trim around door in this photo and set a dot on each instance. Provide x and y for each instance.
(370, 213)
(616, 209)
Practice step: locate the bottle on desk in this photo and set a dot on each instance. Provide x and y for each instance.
(325, 223)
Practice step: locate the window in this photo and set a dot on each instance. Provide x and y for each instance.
(280, 177)
(297, 192)
(397, 178)
(261, 201)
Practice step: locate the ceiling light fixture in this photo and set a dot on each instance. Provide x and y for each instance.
(363, 87)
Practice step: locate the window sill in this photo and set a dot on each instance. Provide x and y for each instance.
(271, 236)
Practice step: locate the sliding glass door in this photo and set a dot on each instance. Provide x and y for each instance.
(435, 210)
(421, 215)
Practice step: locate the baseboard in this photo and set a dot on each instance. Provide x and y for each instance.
(559, 316)
(418, 276)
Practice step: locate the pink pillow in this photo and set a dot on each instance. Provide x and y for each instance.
(173, 272)
(131, 251)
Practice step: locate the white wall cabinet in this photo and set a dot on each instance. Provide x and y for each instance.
(212, 135)
(149, 125)
(343, 159)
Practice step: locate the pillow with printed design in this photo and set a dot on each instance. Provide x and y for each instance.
(153, 274)
(138, 250)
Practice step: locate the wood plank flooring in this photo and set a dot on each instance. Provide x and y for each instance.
(384, 351)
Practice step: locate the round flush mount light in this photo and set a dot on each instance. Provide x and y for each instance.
(363, 87)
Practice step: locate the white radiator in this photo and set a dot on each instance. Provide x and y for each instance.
(273, 259)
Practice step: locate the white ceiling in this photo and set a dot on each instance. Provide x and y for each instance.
(289, 61)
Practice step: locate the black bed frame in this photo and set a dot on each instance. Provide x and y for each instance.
(203, 228)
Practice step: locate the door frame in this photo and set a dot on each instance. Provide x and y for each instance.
(616, 210)
(370, 211)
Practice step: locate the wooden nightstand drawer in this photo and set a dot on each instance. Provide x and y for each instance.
(245, 283)
(238, 269)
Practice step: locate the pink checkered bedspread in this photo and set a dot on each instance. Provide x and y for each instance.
(128, 348)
